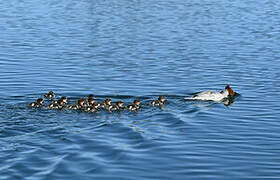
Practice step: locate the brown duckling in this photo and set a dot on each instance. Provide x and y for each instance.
(79, 105)
(37, 104)
(50, 95)
(115, 107)
(134, 107)
(57, 105)
(159, 102)
(105, 104)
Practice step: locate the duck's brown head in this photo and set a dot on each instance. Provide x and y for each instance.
(230, 91)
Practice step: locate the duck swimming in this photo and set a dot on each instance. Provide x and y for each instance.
(105, 104)
(90, 109)
(213, 95)
(50, 95)
(64, 99)
(79, 105)
(90, 106)
(57, 104)
(89, 102)
(115, 107)
(38, 103)
(134, 107)
(159, 102)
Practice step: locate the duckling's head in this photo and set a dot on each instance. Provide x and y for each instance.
(161, 99)
(40, 101)
(81, 102)
(64, 99)
(136, 102)
(91, 101)
(60, 102)
(119, 103)
(108, 101)
(91, 96)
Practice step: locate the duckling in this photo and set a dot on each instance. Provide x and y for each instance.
(91, 106)
(50, 95)
(57, 105)
(79, 105)
(63, 98)
(159, 102)
(89, 102)
(134, 107)
(90, 109)
(115, 107)
(37, 104)
(105, 104)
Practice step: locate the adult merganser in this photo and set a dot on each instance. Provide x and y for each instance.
(213, 95)
(134, 107)
(50, 95)
(38, 103)
(159, 102)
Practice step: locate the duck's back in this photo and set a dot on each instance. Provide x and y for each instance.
(209, 96)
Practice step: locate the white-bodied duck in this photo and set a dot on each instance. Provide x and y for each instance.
(213, 95)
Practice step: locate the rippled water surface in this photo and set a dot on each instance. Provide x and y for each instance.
(138, 49)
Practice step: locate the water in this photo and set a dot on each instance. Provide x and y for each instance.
(137, 49)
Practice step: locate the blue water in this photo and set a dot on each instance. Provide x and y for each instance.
(138, 49)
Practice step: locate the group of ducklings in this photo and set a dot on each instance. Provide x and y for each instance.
(89, 104)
